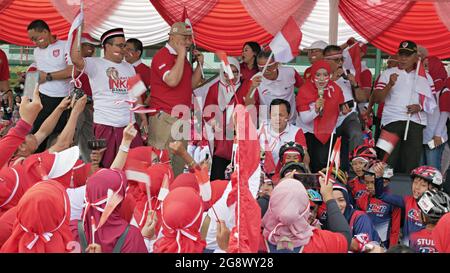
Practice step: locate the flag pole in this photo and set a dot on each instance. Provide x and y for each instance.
(80, 29)
(410, 98)
(329, 155)
(262, 72)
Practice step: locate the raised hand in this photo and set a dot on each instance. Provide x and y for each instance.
(29, 110)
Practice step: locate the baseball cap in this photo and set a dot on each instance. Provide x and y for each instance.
(407, 48)
(87, 39)
(181, 29)
(317, 44)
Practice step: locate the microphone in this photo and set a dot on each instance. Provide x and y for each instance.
(320, 90)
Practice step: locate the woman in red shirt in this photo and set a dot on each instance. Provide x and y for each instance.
(248, 65)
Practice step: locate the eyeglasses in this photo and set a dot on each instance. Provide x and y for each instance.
(121, 46)
(336, 60)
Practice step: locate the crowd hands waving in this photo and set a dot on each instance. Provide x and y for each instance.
(140, 189)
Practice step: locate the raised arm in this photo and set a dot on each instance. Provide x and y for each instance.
(65, 139)
(175, 74)
(50, 123)
(382, 89)
(128, 135)
(75, 55)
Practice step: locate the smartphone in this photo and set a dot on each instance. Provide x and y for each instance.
(97, 144)
(350, 104)
(31, 79)
(77, 93)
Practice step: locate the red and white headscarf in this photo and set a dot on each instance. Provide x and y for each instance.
(181, 214)
(42, 224)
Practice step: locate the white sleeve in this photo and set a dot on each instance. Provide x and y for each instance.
(308, 116)
(383, 80)
(441, 123)
(90, 66)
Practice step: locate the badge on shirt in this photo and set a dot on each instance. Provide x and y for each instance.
(56, 53)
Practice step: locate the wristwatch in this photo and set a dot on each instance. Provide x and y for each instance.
(49, 77)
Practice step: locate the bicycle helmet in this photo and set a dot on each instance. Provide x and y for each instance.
(434, 204)
(291, 147)
(290, 166)
(314, 196)
(364, 152)
(429, 174)
(341, 175)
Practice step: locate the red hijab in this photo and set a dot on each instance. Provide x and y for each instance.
(42, 224)
(308, 93)
(95, 200)
(181, 216)
(437, 72)
(156, 173)
(185, 180)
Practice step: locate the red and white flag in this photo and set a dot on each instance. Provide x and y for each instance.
(74, 29)
(387, 142)
(141, 109)
(136, 86)
(286, 42)
(352, 60)
(202, 176)
(269, 162)
(164, 190)
(225, 64)
(422, 87)
(335, 158)
(244, 237)
(188, 23)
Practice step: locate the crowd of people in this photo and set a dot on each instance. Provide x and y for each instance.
(81, 171)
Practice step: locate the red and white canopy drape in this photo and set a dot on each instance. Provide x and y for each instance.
(227, 24)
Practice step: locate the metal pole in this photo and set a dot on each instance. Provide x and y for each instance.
(333, 27)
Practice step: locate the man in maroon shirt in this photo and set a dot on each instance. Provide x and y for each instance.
(172, 81)
(134, 50)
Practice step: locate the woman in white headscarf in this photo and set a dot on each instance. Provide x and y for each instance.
(222, 97)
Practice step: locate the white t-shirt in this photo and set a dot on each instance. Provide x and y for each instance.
(400, 96)
(52, 59)
(109, 83)
(346, 87)
(281, 88)
(436, 124)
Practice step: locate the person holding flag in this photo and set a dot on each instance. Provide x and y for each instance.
(224, 95)
(407, 94)
(109, 77)
(318, 106)
(172, 81)
(134, 50)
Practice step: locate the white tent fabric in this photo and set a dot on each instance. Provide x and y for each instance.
(139, 19)
(316, 27)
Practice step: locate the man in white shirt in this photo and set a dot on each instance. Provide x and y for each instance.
(278, 82)
(108, 77)
(396, 89)
(347, 125)
(54, 74)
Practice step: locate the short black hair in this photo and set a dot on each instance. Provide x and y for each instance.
(137, 45)
(279, 102)
(331, 48)
(38, 25)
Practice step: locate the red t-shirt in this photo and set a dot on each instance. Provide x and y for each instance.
(366, 79)
(4, 67)
(163, 96)
(324, 241)
(246, 73)
(145, 73)
(422, 241)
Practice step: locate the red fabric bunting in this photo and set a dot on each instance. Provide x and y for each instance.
(14, 20)
(4, 4)
(172, 10)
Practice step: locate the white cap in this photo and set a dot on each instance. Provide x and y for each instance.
(87, 39)
(317, 44)
(64, 162)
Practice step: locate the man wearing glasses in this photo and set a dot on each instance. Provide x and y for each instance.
(172, 81)
(54, 74)
(109, 76)
(134, 50)
(348, 125)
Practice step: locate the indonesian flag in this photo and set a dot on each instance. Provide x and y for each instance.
(269, 162)
(244, 237)
(202, 176)
(136, 86)
(335, 158)
(422, 87)
(164, 190)
(286, 42)
(141, 109)
(225, 64)
(387, 142)
(74, 29)
(188, 23)
(444, 100)
(352, 60)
